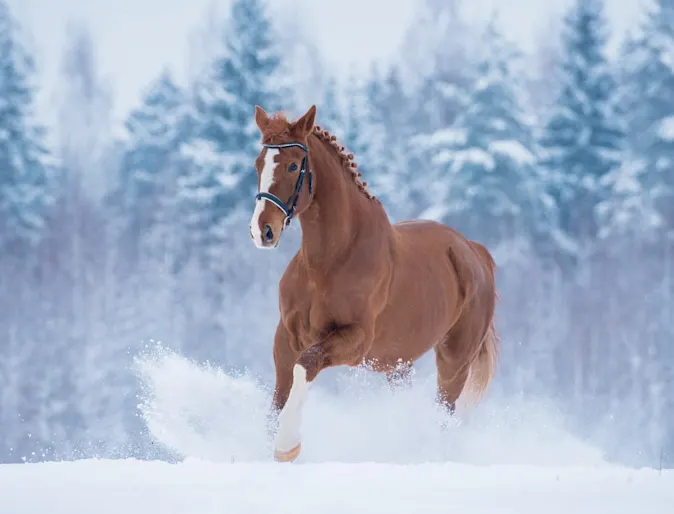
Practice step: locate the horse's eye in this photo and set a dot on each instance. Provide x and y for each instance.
(292, 166)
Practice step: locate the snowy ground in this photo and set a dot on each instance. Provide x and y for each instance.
(198, 487)
(364, 450)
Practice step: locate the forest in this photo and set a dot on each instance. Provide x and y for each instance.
(561, 163)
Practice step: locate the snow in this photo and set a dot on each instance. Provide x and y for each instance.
(435, 212)
(448, 136)
(474, 156)
(365, 449)
(514, 150)
(666, 129)
(203, 412)
(329, 488)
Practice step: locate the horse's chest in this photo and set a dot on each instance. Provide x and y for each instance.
(315, 312)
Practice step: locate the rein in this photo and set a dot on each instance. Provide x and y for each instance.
(289, 207)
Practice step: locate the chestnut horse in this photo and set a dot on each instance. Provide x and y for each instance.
(361, 290)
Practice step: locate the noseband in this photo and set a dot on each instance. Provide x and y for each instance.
(289, 207)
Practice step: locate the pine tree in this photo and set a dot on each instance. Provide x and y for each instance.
(219, 182)
(149, 168)
(442, 47)
(641, 216)
(645, 185)
(492, 187)
(394, 180)
(359, 137)
(437, 50)
(583, 138)
(332, 115)
(25, 163)
(226, 139)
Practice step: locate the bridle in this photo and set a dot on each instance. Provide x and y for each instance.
(289, 207)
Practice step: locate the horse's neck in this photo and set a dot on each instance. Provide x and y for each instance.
(330, 224)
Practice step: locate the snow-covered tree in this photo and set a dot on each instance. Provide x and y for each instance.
(394, 180)
(437, 48)
(149, 170)
(543, 73)
(638, 218)
(583, 137)
(440, 47)
(218, 182)
(362, 135)
(302, 68)
(331, 114)
(438, 53)
(490, 185)
(644, 186)
(25, 164)
(84, 107)
(226, 138)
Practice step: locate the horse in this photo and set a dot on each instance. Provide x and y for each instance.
(361, 290)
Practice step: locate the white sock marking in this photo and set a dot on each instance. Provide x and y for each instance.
(266, 181)
(290, 418)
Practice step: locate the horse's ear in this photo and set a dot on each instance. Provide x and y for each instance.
(305, 124)
(261, 118)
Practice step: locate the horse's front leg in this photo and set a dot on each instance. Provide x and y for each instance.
(344, 346)
(285, 357)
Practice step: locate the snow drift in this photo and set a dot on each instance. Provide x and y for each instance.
(202, 412)
(366, 449)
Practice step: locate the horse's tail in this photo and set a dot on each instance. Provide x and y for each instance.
(483, 365)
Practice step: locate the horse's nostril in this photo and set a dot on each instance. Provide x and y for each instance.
(268, 233)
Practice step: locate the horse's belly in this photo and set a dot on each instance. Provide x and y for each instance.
(421, 309)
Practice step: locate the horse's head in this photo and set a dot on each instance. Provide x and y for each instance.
(285, 182)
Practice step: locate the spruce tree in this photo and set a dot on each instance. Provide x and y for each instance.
(219, 183)
(394, 180)
(438, 48)
(25, 163)
(443, 46)
(359, 137)
(583, 137)
(332, 115)
(150, 169)
(226, 138)
(645, 185)
(490, 185)
(642, 214)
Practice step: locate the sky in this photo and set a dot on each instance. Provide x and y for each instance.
(136, 38)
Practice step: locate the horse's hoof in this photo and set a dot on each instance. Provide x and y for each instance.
(289, 456)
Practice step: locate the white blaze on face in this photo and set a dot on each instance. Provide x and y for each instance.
(266, 181)
(290, 418)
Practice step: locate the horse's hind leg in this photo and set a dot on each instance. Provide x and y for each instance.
(453, 357)
(452, 372)
(455, 354)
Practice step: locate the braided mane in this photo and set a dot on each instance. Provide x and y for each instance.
(278, 128)
(348, 164)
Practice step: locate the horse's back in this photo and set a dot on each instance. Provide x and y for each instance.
(419, 236)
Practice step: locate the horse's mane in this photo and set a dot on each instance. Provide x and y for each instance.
(278, 129)
(348, 164)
